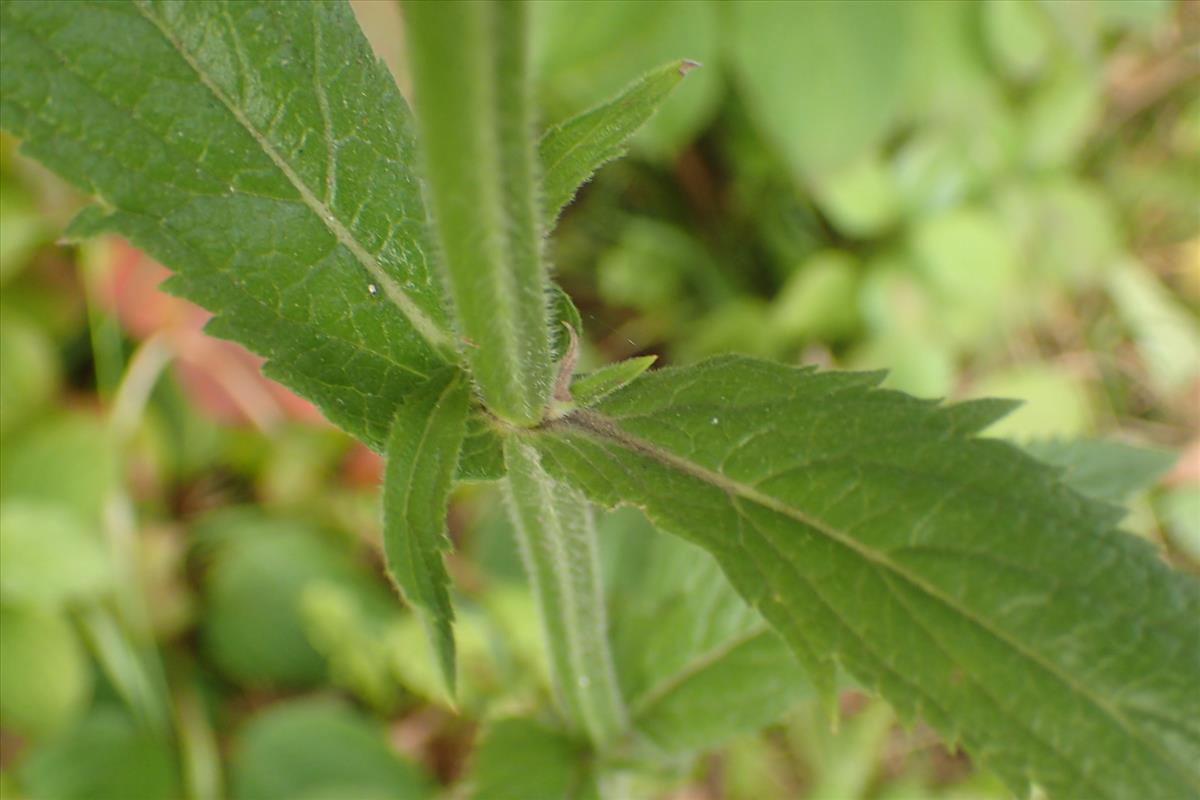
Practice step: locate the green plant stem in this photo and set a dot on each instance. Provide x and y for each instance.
(474, 114)
(122, 639)
(557, 537)
(198, 748)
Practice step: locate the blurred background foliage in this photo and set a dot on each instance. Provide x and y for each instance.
(996, 198)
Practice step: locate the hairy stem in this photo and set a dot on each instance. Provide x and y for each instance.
(474, 113)
(557, 537)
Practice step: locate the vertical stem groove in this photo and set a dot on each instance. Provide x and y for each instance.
(557, 537)
(474, 114)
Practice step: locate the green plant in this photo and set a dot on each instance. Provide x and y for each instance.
(263, 153)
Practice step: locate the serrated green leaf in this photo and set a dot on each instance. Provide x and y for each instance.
(422, 454)
(556, 534)
(1108, 471)
(474, 112)
(261, 151)
(519, 759)
(698, 665)
(949, 572)
(573, 150)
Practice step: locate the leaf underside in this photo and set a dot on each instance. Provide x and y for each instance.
(954, 574)
(422, 453)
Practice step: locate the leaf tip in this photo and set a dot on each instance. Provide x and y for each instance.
(441, 633)
(646, 361)
(687, 65)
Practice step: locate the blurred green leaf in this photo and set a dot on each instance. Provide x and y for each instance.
(698, 665)
(1181, 512)
(29, 370)
(48, 555)
(843, 762)
(253, 627)
(45, 678)
(353, 644)
(410, 659)
(1105, 470)
(519, 759)
(915, 362)
(1070, 232)
(901, 313)
(819, 300)
(1019, 36)
(822, 78)
(1061, 115)
(650, 266)
(933, 171)
(734, 326)
(319, 748)
(22, 229)
(1137, 14)
(106, 757)
(1167, 336)
(1053, 404)
(67, 459)
(862, 199)
(967, 258)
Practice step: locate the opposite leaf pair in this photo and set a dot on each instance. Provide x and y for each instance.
(262, 152)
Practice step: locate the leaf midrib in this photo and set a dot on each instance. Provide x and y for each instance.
(415, 553)
(640, 707)
(436, 601)
(438, 339)
(585, 139)
(598, 426)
